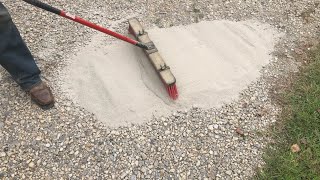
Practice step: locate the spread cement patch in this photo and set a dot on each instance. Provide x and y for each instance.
(212, 61)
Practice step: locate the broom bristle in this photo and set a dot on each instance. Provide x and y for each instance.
(173, 91)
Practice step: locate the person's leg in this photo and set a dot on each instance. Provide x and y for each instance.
(15, 57)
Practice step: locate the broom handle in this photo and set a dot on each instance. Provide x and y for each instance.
(77, 19)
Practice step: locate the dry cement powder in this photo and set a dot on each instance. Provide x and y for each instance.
(212, 61)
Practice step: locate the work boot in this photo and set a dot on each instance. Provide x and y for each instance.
(41, 94)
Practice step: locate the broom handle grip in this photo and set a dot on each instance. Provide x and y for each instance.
(77, 19)
(43, 6)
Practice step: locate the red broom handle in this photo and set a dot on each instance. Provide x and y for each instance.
(77, 19)
(97, 27)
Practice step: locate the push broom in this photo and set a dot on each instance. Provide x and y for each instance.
(142, 41)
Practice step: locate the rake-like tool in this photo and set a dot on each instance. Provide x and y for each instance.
(143, 41)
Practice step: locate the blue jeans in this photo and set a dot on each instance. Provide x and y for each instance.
(15, 56)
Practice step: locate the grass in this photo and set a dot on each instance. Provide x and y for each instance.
(300, 125)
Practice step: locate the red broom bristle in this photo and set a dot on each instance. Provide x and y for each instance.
(173, 92)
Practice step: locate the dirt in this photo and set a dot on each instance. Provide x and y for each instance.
(213, 61)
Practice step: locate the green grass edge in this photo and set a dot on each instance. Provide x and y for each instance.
(300, 125)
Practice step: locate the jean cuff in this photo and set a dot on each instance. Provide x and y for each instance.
(29, 87)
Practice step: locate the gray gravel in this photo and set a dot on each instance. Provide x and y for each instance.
(68, 142)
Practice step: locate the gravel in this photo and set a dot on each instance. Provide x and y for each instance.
(217, 143)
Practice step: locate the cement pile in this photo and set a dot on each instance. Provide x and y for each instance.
(212, 61)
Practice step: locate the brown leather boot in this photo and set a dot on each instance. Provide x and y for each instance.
(41, 94)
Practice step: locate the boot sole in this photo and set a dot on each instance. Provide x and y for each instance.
(44, 107)
(47, 107)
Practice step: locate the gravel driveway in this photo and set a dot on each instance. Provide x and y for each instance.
(68, 142)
